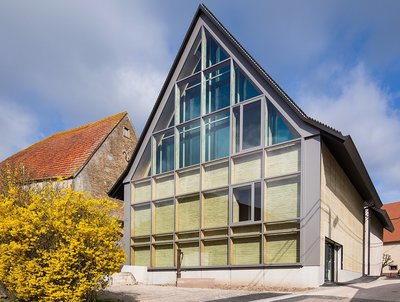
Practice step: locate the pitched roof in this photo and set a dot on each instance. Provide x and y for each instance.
(63, 154)
(343, 146)
(393, 210)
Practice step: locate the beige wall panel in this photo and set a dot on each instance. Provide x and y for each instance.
(246, 250)
(247, 168)
(282, 199)
(282, 249)
(164, 187)
(141, 256)
(283, 161)
(188, 213)
(215, 209)
(188, 182)
(190, 254)
(141, 192)
(215, 175)
(164, 256)
(141, 220)
(215, 253)
(164, 217)
(341, 213)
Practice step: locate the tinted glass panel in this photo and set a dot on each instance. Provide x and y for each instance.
(190, 99)
(236, 129)
(189, 145)
(251, 125)
(215, 53)
(217, 136)
(257, 201)
(218, 89)
(244, 88)
(278, 131)
(165, 151)
(242, 204)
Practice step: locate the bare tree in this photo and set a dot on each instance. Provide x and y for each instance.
(386, 261)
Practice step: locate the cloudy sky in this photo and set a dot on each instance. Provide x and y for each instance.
(67, 63)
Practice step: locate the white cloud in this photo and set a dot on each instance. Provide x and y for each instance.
(17, 126)
(362, 108)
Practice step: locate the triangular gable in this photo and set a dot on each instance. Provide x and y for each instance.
(207, 46)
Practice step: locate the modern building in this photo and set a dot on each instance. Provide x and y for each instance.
(88, 158)
(391, 240)
(231, 172)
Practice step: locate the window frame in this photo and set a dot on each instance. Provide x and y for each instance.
(252, 184)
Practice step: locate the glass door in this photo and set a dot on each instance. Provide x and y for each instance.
(329, 262)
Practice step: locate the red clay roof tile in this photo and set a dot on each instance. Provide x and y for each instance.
(393, 209)
(64, 153)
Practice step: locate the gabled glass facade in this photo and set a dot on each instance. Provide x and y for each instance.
(221, 177)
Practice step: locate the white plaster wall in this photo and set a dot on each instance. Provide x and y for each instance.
(139, 272)
(376, 247)
(393, 249)
(283, 277)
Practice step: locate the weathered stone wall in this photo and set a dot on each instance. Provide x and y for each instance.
(341, 215)
(108, 162)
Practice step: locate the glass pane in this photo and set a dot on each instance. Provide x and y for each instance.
(244, 88)
(217, 136)
(257, 201)
(189, 99)
(246, 251)
(189, 145)
(278, 130)
(188, 213)
(215, 253)
(166, 119)
(215, 209)
(141, 220)
(218, 89)
(193, 60)
(164, 217)
(236, 129)
(215, 53)
(141, 256)
(165, 151)
(164, 255)
(283, 198)
(251, 125)
(241, 204)
(143, 168)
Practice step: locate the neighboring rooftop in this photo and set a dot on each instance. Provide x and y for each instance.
(63, 154)
(393, 209)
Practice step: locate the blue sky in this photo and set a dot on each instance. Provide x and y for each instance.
(67, 63)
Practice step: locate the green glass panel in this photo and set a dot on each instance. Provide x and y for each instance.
(164, 217)
(190, 252)
(215, 253)
(282, 249)
(244, 88)
(215, 209)
(188, 213)
(246, 251)
(165, 156)
(141, 220)
(141, 255)
(164, 255)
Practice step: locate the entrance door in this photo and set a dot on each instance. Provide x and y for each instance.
(329, 262)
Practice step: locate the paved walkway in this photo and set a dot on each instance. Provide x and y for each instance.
(363, 291)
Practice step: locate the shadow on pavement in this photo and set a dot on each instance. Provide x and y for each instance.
(248, 298)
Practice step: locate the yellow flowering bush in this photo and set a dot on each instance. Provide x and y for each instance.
(55, 244)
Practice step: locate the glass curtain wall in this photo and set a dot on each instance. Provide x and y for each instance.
(220, 177)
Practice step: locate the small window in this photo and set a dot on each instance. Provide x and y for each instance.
(126, 132)
(246, 203)
(393, 267)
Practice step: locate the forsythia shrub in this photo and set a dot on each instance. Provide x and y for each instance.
(55, 244)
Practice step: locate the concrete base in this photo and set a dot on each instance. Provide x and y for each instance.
(139, 273)
(196, 282)
(122, 279)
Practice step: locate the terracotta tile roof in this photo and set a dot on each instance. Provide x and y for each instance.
(64, 153)
(393, 210)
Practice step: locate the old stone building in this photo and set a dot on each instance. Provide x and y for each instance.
(88, 158)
